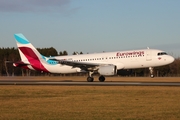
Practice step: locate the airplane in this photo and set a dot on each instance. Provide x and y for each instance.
(105, 64)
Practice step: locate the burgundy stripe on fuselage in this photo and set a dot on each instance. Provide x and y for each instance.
(33, 59)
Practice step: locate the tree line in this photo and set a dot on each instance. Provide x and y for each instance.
(11, 54)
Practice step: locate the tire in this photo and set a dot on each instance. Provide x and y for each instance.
(90, 79)
(152, 76)
(101, 78)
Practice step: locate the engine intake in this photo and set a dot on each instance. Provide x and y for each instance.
(108, 70)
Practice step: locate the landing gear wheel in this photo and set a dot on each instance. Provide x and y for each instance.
(90, 79)
(101, 78)
(152, 76)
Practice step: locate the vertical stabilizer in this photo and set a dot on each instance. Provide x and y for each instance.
(26, 49)
(28, 53)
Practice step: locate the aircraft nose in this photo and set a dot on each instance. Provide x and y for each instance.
(171, 59)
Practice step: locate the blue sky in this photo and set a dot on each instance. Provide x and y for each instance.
(92, 25)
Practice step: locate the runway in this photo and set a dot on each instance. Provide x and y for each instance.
(71, 83)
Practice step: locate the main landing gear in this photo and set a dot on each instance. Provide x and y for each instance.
(151, 72)
(91, 79)
(101, 78)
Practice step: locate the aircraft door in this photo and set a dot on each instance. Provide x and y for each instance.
(148, 55)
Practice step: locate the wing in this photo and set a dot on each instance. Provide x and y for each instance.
(82, 65)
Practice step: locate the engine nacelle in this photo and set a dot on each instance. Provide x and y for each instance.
(108, 70)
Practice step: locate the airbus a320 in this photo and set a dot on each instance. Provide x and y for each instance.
(105, 64)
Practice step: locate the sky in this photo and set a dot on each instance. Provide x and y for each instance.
(92, 26)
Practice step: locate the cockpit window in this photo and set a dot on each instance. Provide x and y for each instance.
(162, 53)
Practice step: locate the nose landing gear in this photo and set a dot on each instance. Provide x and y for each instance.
(151, 72)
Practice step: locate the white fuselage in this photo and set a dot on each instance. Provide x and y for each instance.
(122, 59)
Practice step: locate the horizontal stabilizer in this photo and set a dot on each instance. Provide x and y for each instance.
(20, 64)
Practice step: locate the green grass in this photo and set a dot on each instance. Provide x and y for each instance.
(89, 102)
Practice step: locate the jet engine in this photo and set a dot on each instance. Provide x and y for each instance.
(107, 70)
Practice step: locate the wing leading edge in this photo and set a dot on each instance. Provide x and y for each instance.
(82, 65)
